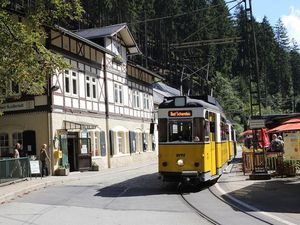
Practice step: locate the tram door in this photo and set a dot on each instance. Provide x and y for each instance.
(212, 121)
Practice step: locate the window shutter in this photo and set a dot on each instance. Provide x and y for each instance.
(102, 143)
(132, 142)
(144, 142)
(111, 137)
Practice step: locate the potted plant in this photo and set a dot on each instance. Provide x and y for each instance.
(95, 166)
(63, 170)
(118, 59)
(289, 168)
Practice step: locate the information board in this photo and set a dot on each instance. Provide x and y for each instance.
(292, 146)
(35, 167)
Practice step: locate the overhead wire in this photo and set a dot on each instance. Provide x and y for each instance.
(181, 14)
(213, 20)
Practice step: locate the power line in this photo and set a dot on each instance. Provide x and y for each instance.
(181, 14)
(213, 20)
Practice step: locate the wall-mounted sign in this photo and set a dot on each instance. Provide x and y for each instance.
(15, 106)
(257, 124)
(180, 113)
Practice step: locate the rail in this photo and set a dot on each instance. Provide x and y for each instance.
(12, 169)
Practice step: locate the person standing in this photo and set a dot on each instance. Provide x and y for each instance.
(16, 171)
(43, 157)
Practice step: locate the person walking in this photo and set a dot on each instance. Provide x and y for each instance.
(43, 157)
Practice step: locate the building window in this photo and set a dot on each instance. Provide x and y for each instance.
(17, 138)
(71, 83)
(4, 146)
(67, 81)
(12, 89)
(88, 86)
(95, 143)
(118, 93)
(94, 87)
(74, 83)
(146, 101)
(136, 99)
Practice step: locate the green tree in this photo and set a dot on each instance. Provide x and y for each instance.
(282, 72)
(295, 68)
(25, 59)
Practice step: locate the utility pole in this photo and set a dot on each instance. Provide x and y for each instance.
(256, 122)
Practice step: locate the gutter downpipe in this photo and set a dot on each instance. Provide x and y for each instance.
(108, 146)
(49, 114)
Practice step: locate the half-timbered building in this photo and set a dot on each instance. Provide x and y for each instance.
(98, 109)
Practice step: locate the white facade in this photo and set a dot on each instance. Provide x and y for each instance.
(96, 110)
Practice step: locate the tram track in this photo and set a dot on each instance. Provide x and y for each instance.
(194, 208)
(210, 219)
(199, 212)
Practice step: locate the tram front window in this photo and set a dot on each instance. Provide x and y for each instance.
(180, 131)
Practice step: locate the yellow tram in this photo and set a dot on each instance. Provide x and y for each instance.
(195, 139)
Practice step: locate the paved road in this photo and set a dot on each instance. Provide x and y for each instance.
(133, 196)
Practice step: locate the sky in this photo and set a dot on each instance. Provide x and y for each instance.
(287, 10)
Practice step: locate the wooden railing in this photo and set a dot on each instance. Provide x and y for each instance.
(272, 160)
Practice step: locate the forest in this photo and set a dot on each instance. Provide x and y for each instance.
(162, 26)
(200, 44)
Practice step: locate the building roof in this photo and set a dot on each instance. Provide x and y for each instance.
(165, 88)
(161, 90)
(110, 31)
(74, 35)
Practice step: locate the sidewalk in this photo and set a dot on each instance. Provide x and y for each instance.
(277, 199)
(16, 189)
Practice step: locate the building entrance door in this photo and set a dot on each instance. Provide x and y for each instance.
(73, 150)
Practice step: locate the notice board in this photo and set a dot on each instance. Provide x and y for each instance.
(35, 167)
(292, 146)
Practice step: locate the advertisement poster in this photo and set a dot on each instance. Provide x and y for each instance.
(292, 146)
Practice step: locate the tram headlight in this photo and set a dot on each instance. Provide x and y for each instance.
(180, 162)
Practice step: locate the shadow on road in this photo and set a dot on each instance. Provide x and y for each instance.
(280, 196)
(148, 185)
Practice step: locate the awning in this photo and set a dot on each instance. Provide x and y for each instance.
(289, 125)
(69, 125)
(286, 127)
(246, 132)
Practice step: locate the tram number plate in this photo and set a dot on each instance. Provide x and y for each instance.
(180, 155)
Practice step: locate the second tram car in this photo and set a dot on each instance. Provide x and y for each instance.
(195, 139)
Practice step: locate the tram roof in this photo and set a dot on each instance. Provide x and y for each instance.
(193, 101)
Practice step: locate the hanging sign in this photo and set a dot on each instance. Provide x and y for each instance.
(257, 124)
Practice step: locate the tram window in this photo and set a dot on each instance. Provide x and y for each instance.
(206, 130)
(224, 133)
(199, 128)
(162, 130)
(180, 130)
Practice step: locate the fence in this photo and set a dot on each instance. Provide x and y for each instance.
(13, 169)
(273, 161)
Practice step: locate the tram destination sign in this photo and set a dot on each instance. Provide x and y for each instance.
(180, 113)
(257, 124)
